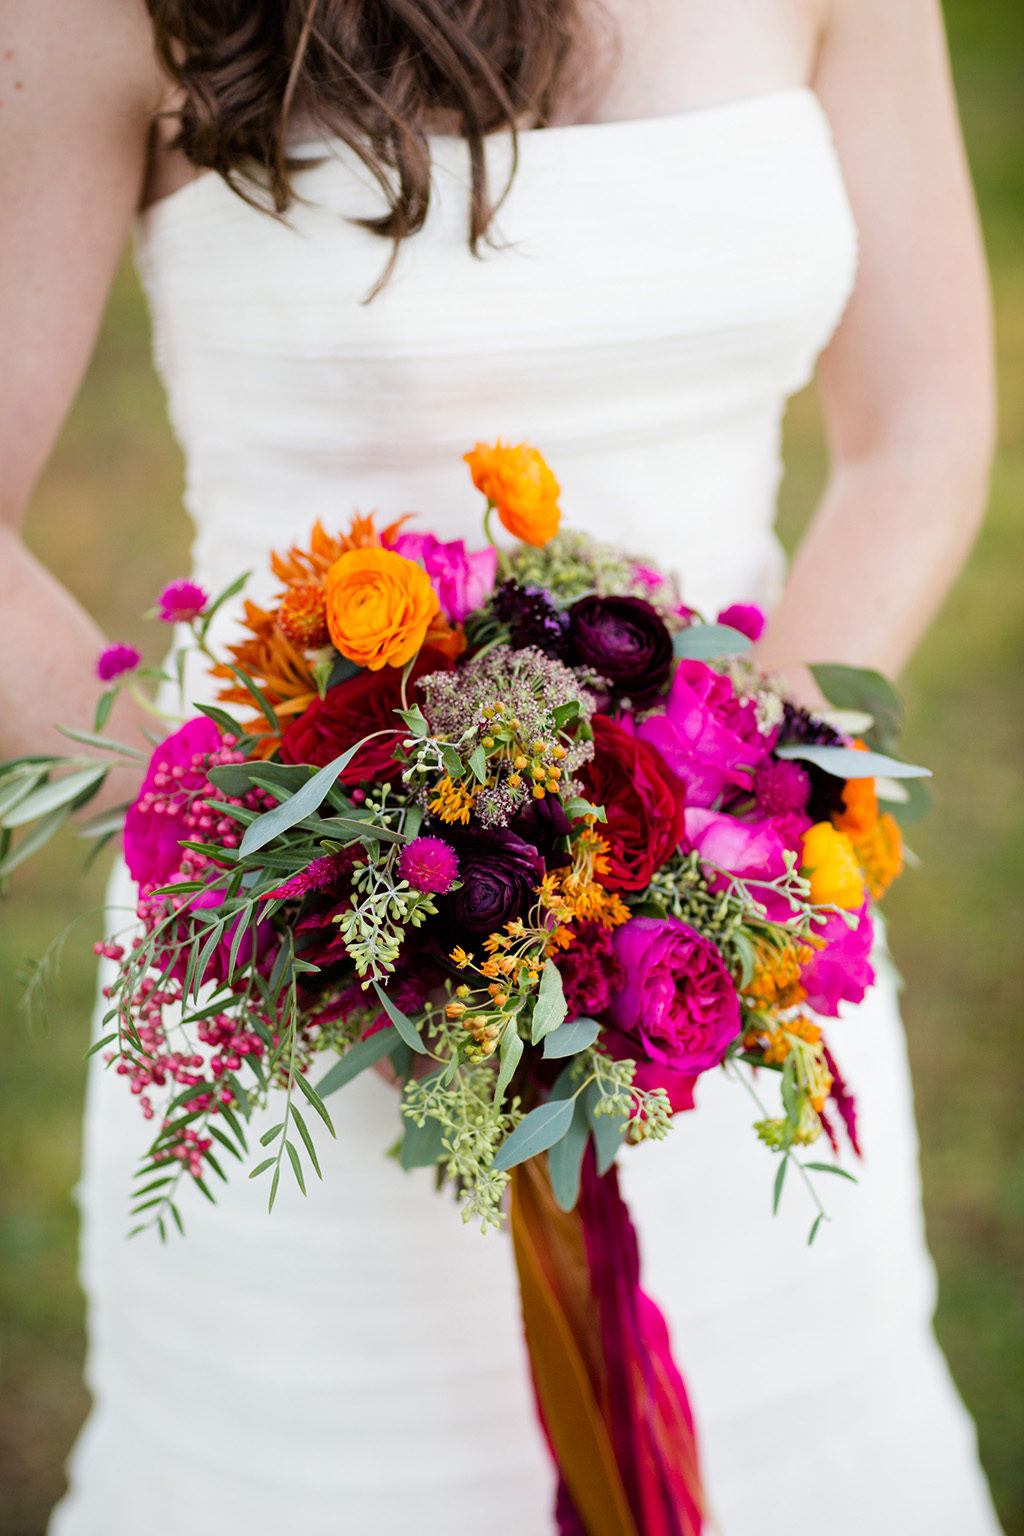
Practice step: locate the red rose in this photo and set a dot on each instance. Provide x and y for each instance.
(643, 800)
(353, 709)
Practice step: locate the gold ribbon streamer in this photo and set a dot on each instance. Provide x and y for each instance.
(564, 1339)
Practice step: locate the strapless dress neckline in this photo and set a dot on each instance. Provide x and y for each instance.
(626, 128)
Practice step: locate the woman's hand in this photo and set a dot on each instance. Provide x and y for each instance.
(908, 379)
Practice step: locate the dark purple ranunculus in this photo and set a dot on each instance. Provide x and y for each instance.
(533, 620)
(624, 640)
(499, 874)
(544, 824)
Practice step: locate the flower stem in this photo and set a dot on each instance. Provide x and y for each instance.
(504, 564)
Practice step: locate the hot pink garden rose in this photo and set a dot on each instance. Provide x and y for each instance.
(176, 776)
(462, 581)
(678, 1007)
(708, 737)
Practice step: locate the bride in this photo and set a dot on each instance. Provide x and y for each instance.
(688, 192)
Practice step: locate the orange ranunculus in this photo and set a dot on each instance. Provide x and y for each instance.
(880, 852)
(379, 607)
(830, 864)
(522, 488)
(859, 815)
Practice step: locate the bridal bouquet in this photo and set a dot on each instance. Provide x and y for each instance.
(541, 837)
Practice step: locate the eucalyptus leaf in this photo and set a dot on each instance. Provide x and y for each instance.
(863, 689)
(704, 642)
(302, 804)
(564, 713)
(356, 1059)
(832, 1168)
(541, 1129)
(568, 1039)
(565, 1159)
(845, 763)
(609, 1132)
(919, 803)
(415, 721)
(218, 602)
(58, 792)
(780, 1179)
(221, 719)
(422, 1145)
(478, 765)
(349, 828)
(34, 839)
(453, 764)
(16, 787)
(103, 743)
(404, 1025)
(104, 823)
(104, 705)
(550, 1008)
(510, 1055)
(265, 707)
(576, 807)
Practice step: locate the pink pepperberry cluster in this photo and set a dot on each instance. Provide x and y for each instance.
(179, 794)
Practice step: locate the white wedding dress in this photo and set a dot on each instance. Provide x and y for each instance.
(352, 1365)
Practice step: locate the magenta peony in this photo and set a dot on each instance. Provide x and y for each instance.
(462, 581)
(678, 1006)
(841, 972)
(708, 737)
(160, 818)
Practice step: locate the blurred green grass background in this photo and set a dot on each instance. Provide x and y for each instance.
(107, 519)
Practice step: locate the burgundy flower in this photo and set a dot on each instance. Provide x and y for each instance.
(591, 971)
(353, 709)
(643, 801)
(679, 1006)
(624, 640)
(499, 874)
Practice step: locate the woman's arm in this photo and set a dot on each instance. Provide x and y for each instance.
(908, 379)
(79, 86)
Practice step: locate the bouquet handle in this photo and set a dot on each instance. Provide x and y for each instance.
(609, 1395)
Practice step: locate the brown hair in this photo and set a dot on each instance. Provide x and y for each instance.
(379, 75)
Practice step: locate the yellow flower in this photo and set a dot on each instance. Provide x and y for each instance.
(521, 486)
(830, 864)
(453, 802)
(379, 607)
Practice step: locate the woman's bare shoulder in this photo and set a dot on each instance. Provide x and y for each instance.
(62, 57)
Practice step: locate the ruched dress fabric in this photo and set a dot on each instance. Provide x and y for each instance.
(353, 1364)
